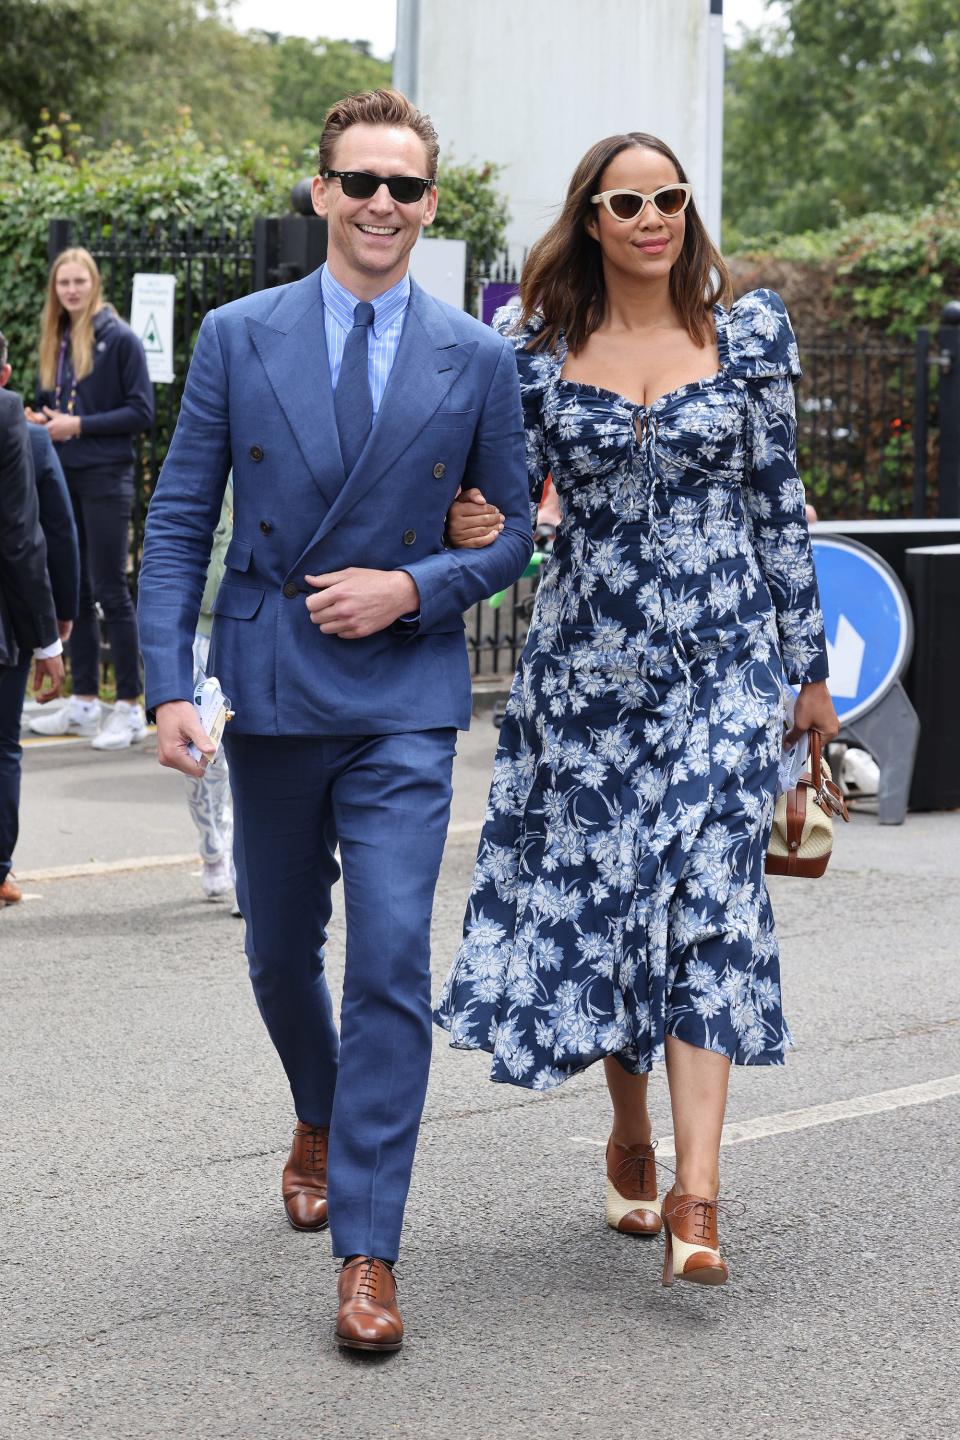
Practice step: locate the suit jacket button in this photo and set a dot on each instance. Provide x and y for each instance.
(409, 536)
(290, 590)
(256, 453)
(266, 527)
(439, 470)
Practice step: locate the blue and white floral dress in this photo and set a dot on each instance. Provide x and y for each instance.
(619, 892)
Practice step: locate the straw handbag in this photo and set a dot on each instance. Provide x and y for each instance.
(801, 840)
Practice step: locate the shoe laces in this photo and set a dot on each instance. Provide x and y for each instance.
(315, 1152)
(633, 1168)
(703, 1210)
(367, 1283)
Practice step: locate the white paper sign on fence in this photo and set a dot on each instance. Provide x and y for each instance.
(151, 319)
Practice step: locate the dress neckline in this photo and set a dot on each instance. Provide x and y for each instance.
(723, 350)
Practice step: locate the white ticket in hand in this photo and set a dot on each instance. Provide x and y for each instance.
(214, 711)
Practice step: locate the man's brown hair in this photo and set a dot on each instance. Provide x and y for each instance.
(377, 107)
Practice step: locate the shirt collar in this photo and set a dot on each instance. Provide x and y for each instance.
(387, 307)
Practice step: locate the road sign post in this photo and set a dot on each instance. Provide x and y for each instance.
(869, 630)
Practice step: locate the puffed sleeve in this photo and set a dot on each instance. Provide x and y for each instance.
(534, 369)
(767, 359)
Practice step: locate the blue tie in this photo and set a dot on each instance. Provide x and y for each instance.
(353, 402)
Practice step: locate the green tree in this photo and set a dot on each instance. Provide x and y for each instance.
(471, 208)
(64, 60)
(308, 76)
(841, 110)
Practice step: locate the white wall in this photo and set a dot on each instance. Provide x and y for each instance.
(532, 84)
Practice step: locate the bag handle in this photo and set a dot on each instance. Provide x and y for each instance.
(816, 759)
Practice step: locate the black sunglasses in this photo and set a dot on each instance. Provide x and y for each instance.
(361, 185)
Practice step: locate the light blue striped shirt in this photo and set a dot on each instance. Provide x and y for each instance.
(389, 310)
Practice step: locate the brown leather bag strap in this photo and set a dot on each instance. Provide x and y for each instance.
(816, 759)
(796, 815)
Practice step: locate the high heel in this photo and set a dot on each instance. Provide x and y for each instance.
(691, 1251)
(632, 1204)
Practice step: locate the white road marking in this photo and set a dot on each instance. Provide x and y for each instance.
(763, 1126)
(107, 867)
(465, 827)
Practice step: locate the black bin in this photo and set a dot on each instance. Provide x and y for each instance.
(933, 583)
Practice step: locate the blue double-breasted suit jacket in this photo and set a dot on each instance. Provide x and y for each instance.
(258, 398)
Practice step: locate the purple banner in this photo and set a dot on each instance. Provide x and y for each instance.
(495, 293)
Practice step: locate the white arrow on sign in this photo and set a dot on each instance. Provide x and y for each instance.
(845, 656)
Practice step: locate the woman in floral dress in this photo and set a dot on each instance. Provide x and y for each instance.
(619, 910)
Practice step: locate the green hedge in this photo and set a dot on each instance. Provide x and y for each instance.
(881, 274)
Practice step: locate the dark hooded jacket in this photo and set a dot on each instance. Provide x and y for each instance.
(114, 401)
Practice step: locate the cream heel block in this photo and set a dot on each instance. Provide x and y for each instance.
(619, 1206)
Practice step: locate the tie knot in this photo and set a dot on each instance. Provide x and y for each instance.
(363, 314)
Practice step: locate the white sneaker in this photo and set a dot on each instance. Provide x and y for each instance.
(125, 725)
(70, 719)
(215, 880)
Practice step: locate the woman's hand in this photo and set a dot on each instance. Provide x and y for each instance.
(472, 524)
(61, 427)
(813, 711)
(34, 416)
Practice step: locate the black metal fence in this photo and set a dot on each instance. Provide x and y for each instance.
(863, 427)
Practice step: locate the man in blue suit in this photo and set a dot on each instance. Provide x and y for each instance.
(352, 407)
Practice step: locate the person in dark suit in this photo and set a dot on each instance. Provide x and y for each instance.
(352, 406)
(28, 620)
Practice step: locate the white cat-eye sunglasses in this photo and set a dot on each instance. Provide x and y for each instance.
(668, 201)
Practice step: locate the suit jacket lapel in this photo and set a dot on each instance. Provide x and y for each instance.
(427, 362)
(292, 347)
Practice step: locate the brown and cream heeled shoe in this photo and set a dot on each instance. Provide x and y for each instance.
(692, 1251)
(632, 1204)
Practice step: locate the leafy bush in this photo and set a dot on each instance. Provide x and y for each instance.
(172, 176)
(881, 274)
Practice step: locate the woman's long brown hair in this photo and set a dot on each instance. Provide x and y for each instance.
(562, 279)
(55, 322)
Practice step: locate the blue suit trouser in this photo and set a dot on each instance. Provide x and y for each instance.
(13, 687)
(386, 801)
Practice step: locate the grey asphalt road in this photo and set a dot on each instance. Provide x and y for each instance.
(150, 1288)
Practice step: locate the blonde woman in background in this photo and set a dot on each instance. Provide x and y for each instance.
(94, 395)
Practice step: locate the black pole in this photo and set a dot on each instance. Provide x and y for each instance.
(266, 252)
(921, 404)
(949, 467)
(58, 238)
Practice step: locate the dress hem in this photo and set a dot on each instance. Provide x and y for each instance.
(766, 1058)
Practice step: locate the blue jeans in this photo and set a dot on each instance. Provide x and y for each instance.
(13, 687)
(386, 801)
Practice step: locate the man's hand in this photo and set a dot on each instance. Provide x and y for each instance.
(48, 670)
(34, 416)
(61, 427)
(813, 711)
(177, 724)
(65, 630)
(472, 524)
(355, 603)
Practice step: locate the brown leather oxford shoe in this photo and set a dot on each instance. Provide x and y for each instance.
(368, 1318)
(305, 1178)
(10, 892)
(632, 1204)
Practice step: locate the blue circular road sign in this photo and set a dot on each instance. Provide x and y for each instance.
(868, 623)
